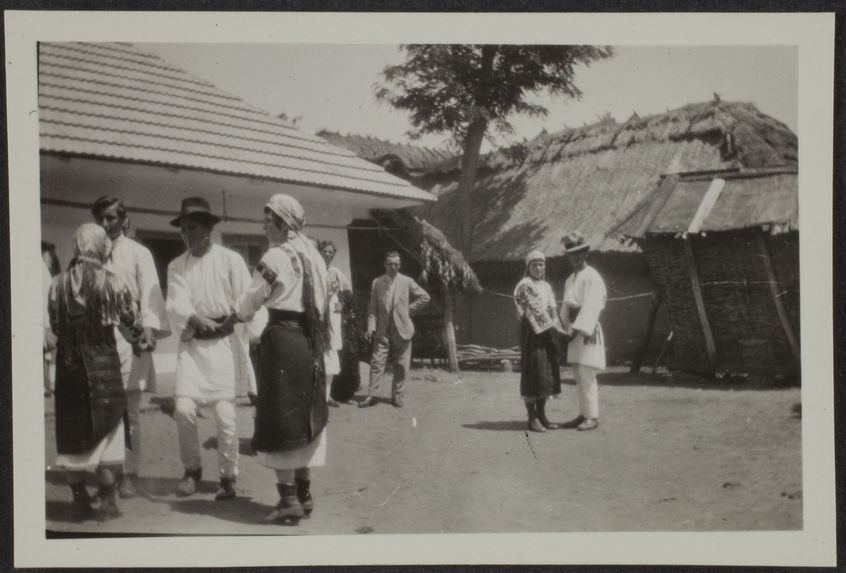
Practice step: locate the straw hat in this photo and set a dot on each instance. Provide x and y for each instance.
(574, 242)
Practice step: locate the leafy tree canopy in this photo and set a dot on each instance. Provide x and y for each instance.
(448, 87)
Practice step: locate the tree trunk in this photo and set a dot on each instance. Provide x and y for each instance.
(449, 333)
(476, 129)
(469, 164)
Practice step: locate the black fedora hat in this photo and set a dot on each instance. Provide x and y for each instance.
(195, 207)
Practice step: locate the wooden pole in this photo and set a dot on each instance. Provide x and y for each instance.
(700, 303)
(782, 313)
(640, 354)
(449, 332)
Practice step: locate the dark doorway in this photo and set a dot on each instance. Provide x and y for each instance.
(165, 247)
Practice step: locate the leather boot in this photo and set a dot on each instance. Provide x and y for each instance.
(189, 482)
(540, 406)
(107, 477)
(81, 505)
(289, 507)
(127, 488)
(534, 424)
(226, 489)
(304, 495)
(108, 505)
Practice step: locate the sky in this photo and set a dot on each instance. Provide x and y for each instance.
(331, 86)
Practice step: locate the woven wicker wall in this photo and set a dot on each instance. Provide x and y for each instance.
(736, 294)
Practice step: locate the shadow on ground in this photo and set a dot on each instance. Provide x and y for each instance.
(503, 426)
(685, 380)
(64, 512)
(238, 510)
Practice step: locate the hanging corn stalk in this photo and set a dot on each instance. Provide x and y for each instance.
(442, 265)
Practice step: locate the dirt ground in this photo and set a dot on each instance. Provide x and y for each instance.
(672, 453)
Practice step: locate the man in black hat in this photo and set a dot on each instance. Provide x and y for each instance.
(202, 285)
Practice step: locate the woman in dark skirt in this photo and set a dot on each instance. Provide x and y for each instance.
(86, 302)
(291, 406)
(540, 326)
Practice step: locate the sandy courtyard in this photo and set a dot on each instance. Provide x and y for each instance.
(672, 453)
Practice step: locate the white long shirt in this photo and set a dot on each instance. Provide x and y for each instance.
(277, 283)
(133, 264)
(208, 286)
(586, 291)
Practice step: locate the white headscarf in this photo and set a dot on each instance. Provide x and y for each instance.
(289, 210)
(534, 255)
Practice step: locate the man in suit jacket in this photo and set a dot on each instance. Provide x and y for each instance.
(394, 299)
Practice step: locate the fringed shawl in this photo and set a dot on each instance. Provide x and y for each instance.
(88, 297)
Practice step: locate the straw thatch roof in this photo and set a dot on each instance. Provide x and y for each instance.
(397, 158)
(747, 198)
(590, 178)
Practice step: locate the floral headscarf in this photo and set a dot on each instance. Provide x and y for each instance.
(87, 288)
(91, 249)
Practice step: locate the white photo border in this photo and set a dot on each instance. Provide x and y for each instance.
(814, 545)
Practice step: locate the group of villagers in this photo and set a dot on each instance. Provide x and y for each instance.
(106, 312)
(551, 336)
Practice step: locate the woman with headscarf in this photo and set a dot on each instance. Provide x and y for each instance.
(291, 407)
(540, 378)
(86, 302)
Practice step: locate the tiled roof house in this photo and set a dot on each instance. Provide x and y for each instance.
(117, 120)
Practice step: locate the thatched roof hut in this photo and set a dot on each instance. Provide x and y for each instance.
(724, 250)
(403, 160)
(589, 178)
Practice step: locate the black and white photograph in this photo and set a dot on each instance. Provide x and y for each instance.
(339, 289)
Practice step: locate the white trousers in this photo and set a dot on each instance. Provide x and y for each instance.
(227, 435)
(588, 390)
